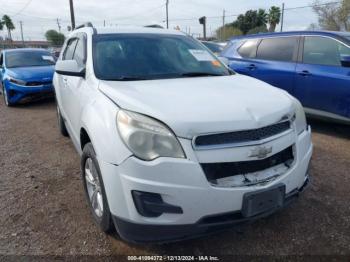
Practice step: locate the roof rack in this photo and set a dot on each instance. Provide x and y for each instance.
(87, 24)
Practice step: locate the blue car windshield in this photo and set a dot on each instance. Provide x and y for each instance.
(127, 57)
(28, 58)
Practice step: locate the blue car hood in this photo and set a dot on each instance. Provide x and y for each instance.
(38, 73)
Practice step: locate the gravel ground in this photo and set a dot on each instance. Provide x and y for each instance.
(44, 212)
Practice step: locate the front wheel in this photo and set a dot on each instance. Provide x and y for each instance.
(94, 189)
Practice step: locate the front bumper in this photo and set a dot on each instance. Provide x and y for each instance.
(145, 233)
(17, 93)
(182, 183)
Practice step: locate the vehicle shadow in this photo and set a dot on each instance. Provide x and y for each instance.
(329, 128)
(43, 103)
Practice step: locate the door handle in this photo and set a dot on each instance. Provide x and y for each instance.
(251, 67)
(304, 73)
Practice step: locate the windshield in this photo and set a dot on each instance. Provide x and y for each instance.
(214, 47)
(28, 58)
(152, 56)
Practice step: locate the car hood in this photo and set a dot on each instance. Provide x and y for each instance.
(192, 106)
(32, 73)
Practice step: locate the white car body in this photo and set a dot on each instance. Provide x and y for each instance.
(190, 107)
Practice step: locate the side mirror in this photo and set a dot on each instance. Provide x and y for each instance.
(345, 61)
(224, 60)
(69, 68)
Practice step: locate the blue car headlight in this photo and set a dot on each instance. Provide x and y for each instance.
(17, 81)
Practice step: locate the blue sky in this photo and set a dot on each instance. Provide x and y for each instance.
(40, 15)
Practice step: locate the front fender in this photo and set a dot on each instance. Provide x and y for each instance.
(99, 121)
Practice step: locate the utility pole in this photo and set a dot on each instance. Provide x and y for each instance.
(20, 22)
(167, 14)
(59, 26)
(282, 17)
(72, 18)
(223, 26)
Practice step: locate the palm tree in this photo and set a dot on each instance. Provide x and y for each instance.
(262, 17)
(274, 17)
(6, 20)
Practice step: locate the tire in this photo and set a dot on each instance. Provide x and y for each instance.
(61, 124)
(5, 95)
(91, 172)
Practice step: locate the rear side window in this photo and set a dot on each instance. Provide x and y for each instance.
(68, 53)
(278, 49)
(323, 51)
(248, 49)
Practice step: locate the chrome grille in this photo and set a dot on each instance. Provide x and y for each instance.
(242, 136)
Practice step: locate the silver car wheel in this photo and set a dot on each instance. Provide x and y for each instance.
(5, 96)
(93, 187)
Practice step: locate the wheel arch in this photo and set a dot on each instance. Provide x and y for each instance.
(98, 126)
(84, 138)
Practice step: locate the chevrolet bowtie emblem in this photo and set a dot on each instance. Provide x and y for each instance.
(261, 151)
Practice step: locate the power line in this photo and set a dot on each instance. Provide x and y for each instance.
(23, 8)
(316, 5)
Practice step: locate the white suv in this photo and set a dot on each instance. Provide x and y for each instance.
(173, 144)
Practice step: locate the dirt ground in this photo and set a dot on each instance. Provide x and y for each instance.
(43, 210)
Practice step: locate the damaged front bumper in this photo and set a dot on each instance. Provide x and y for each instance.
(142, 233)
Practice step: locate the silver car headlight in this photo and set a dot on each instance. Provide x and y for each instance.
(300, 119)
(147, 138)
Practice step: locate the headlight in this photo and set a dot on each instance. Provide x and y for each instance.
(17, 81)
(300, 119)
(147, 138)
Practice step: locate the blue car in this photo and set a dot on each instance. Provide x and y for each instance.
(25, 73)
(312, 66)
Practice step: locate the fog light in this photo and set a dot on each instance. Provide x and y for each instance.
(152, 204)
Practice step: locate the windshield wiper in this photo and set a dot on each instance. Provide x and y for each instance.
(200, 74)
(127, 78)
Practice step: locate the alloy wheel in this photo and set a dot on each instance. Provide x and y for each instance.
(93, 187)
(5, 95)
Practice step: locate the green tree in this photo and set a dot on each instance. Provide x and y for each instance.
(7, 21)
(333, 16)
(262, 17)
(225, 33)
(258, 30)
(54, 37)
(274, 17)
(251, 19)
